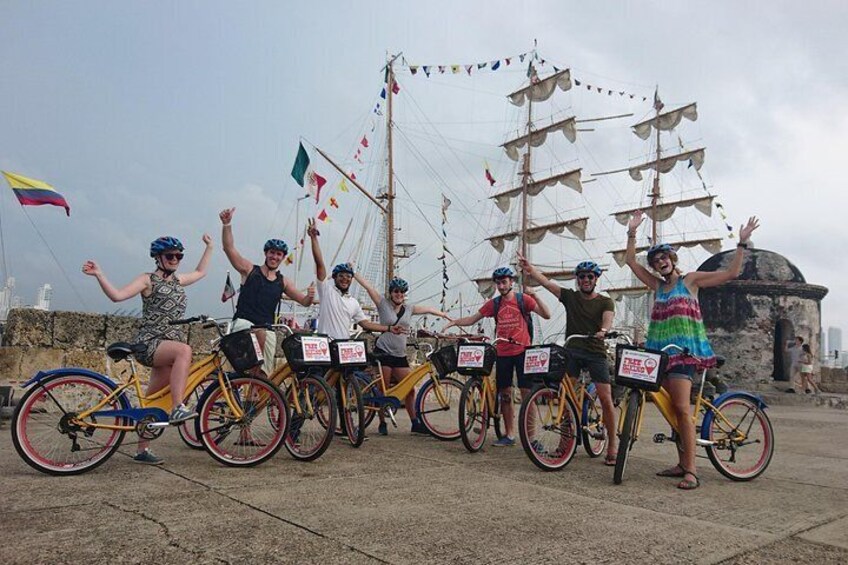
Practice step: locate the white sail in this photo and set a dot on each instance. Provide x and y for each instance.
(543, 89)
(570, 179)
(665, 210)
(712, 246)
(666, 120)
(666, 164)
(632, 291)
(536, 234)
(486, 286)
(538, 137)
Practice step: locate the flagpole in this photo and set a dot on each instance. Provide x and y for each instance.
(233, 304)
(296, 226)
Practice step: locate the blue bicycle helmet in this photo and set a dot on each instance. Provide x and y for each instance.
(398, 283)
(587, 267)
(277, 245)
(657, 249)
(502, 273)
(163, 244)
(342, 268)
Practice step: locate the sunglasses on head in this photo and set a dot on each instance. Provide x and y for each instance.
(586, 276)
(172, 256)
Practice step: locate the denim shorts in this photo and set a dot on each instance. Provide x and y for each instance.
(504, 367)
(681, 372)
(595, 362)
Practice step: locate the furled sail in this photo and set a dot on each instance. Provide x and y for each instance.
(486, 287)
(570, 179)
(633, 291)
(710, 245)
(536, 234)
(538, 137)
(543, 89)
(666, 120)
(664, 211)
(665, 164)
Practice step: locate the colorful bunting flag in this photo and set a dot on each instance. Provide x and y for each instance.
(315, 183)
(343, 186)
(31, 192)
(426, 71)
(383, 94)
(489, 176)
(454, 69)
(413, 69)
(395, 87)
(323, 216)
(495, 65)
(333, 202)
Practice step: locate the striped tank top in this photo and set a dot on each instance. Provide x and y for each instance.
(676, 318)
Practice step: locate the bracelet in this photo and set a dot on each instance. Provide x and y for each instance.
(631, 234)
(742, 245)
(225, 225)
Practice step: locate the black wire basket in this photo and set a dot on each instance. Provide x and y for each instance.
(444, 360)
(242, 350)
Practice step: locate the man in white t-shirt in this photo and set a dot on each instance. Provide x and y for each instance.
(339, 310)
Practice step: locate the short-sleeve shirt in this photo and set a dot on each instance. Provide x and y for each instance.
(510, 323)
(585, 317)
(337, 311)
(794, 355)
(393, 344)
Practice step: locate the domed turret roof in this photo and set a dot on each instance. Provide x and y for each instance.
(758, 265)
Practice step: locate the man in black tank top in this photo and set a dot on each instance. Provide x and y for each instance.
(262, 288)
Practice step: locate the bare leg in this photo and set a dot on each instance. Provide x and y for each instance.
(174, 358)
(680, 389)
(386, 375)
(507, 410)
(608, 412)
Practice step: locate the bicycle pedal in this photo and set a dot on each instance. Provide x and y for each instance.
(661, 438)
(594, 434)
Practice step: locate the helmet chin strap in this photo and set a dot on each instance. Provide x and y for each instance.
(168, 272)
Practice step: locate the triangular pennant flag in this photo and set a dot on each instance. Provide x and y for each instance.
(454, 69)
(31, 192)
(482, 65)
(301, 163)
(426, 71)
(600, 89)
(333, 202)
(364, 142)
(323, 216)
(521, 57)
(577, 82)
(383, 94)
(489, 176)
(441, 68)
(343, 186)
(468, 68)
(289, 259)
(556, 70)
(507, 61)
(413, 69)
(352, 175)
(496, 65)
(395, 87)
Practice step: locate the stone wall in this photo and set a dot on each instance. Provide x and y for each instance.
(834, 380)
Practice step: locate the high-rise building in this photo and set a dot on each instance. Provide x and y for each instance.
(42, 301)
(8, 300)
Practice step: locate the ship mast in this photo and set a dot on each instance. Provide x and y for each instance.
(390, 188)
(655, 193)
(525, 181)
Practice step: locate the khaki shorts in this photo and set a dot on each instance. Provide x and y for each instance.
(270, 349)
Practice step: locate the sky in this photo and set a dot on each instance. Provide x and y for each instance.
(151, 117)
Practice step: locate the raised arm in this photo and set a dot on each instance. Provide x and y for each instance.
(320, 268)
(381, 328)
(138, 284)
(466, 321)
(641, 272)
(702, 279)
(375, 295)
(306, 298)
(239, 263)
(531, 271)
(199, 271)
(417, 310)
(541, 308)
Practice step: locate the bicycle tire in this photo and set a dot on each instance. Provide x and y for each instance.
(310, 434)
(365, 384)
(441, 421)
(497, 418)
(593, 432)
(351, 409)
(251, 439)
(473, 415)
(40, 413)
(189, 430)
(549, 452)
(760, 423)
(627, 436)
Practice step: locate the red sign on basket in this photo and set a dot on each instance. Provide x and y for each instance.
(351, 352)
(258, 350)
(471, 356)
(537, 360)
(315, 349)
(639, 365)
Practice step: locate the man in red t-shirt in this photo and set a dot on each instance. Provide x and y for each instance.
(512, 326)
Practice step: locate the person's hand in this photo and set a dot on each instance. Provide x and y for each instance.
(310, 292)
(450, 325)
(207, 239)
(635, 220)
(91, 268)
(226, 215)
(397, 330)
(746, 230)
(600, 335)
(311, 230)
(524, 264)
(529, 291)
(447, 317)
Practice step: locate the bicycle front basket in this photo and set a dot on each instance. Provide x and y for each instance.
(546, 363)
(637, 367)
(444, 360)
(475, 360)
(304, 351)
(242, 350)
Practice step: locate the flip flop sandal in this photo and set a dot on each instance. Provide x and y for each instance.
(689, 485)
(676, 472)
(609, 461)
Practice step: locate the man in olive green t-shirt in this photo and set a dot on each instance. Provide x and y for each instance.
(587, 313)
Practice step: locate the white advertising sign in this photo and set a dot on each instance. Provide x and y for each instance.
(471, 356)
(351, 352)
(639, 365)
(537, 360)
(316, 349)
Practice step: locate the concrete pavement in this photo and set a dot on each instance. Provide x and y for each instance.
(408, 499)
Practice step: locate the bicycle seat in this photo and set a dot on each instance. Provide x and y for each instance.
(720, 361)
(121, 350)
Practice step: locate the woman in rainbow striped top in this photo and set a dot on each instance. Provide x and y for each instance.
(676, 318)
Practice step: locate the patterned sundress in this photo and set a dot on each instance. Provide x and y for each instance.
(676, 318)
(167, 302)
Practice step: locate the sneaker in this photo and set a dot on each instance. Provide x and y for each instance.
(180, 414)
(147, 458)
(418, 427)
(383, 429)
(504, 442)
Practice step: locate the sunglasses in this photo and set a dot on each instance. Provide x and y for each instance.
(172, 256)
(586, 276)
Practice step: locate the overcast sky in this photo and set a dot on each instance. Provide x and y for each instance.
(149, 117)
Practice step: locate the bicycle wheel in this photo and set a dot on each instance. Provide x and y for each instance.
(251, 439)
(365, 381)
(593, 432)
(188, 430)
(351, 409)
(744, 444)
(45, 434)
(311, 428)
(440, 418)
(549, 444)
(627, 436)
(473, 418)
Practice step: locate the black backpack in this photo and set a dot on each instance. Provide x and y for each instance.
(519, 297)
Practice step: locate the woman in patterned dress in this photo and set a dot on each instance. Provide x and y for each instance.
(164, 300)
(676, 318)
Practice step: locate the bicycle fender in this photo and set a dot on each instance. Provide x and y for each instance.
(710, 415)
(41, 375)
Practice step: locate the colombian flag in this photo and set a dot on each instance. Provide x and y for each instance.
(31, 192)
